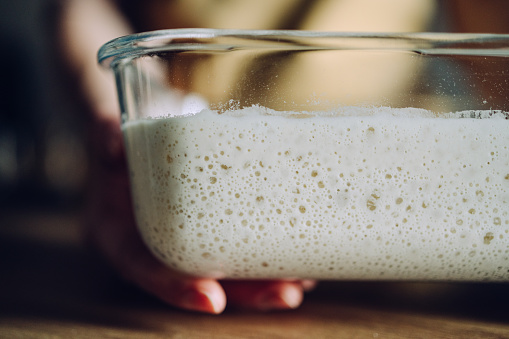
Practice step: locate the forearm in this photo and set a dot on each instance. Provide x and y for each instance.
(84, 27)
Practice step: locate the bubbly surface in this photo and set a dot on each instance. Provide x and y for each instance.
(358, 194)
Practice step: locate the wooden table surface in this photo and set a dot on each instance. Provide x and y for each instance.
(52, 287)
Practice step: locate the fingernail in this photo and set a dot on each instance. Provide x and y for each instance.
(196, 300)
(287, 297)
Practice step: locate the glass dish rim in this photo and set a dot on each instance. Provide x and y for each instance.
(152, 42)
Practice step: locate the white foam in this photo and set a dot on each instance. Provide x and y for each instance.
(354, 193)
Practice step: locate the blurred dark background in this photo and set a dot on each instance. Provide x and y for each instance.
(43, 161)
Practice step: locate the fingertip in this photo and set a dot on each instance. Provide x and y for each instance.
(308, 285)
(205, 296)
(281, 297)
(292, 296)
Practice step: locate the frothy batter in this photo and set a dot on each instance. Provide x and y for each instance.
(361, 194)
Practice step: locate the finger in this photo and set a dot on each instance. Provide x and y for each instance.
(203, 295)
(111, 228)
(264, 295)
(308, 285)
(129, 256)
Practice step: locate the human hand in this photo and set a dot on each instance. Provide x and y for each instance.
(111, 227)
(110, 223)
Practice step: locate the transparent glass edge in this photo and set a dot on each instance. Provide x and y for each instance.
(127, 47)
